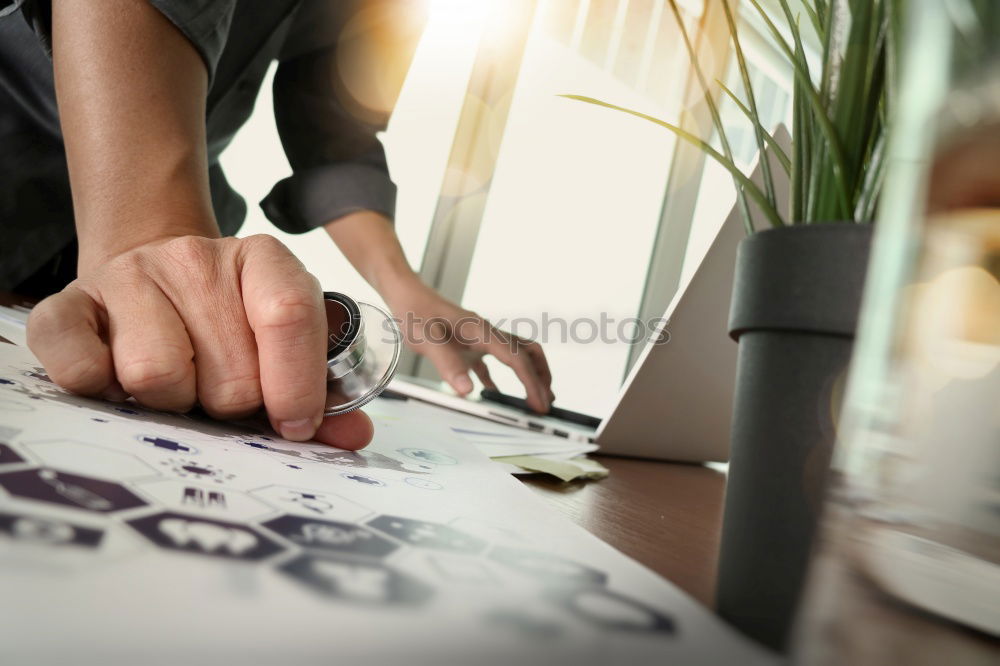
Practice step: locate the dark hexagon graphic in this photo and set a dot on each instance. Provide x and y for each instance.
(427, 535)
(331, 535)
(73, 490)
(205, 536)
(609, 610)
(9, 456)
(547, 568)
(369, 583)
(48, 531)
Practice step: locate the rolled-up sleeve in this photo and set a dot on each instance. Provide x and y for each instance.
(205, 23)
(338, 163)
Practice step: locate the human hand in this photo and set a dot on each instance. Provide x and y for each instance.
(456, 340)
(233, 324)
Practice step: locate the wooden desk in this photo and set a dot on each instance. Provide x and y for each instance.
(666, 516)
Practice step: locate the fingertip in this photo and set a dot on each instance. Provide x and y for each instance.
(462, 384)
(539, 404)
(351, 431)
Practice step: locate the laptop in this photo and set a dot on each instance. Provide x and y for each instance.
(676, 403)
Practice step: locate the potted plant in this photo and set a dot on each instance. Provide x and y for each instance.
(798, 286)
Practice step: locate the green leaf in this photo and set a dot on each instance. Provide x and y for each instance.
(832, 145)
(773, 145)
(714, 111)
(813, 15)
(742, 181)
(872, 184)
(758, 130)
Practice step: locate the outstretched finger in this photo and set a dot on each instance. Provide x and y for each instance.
(450, 364)
(508, 351)
(483, 372)
(537, 356)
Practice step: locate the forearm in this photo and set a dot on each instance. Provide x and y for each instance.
(131, 92)
(369, 242)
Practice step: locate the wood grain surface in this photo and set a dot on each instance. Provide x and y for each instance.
(667, 516)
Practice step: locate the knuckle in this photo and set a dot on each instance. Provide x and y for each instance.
(264, 243)
(192, 253)
(229, 398)
(153, 375)
(43, 321)
(293, 309)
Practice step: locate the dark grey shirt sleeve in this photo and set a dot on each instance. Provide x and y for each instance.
(338, 163)
(204, 22)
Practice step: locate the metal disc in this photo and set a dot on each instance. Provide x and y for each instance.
(362, 368)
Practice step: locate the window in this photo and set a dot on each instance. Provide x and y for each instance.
(549, 216)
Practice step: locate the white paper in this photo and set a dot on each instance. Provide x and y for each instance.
(494, 439)
(129, 536)
(13, 322)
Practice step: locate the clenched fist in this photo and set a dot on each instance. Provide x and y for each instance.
(231, 324)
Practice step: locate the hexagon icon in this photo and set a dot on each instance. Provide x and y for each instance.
(304, 502)
(605, 609)
(222, 503)
(329, 535)
(427, 535)
(48, 531)
(369, 583)
(72, 490)
(8, 456)
(447, 568)
(550, 569)
(205, 536)
(87, 458)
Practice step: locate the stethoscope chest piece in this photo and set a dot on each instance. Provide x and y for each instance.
(362, 352)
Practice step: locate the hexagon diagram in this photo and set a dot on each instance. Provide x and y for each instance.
(371, 583)
(72, 490)
(304, 502)
(48, 531)
(609, 610)
(427, 535)
(205, 536)
(331, 536)
(550, 569)
(86, 458)
(9, 456)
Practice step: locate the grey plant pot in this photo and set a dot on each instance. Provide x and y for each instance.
(796, 296)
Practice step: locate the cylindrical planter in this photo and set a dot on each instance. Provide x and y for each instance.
(796, 296)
